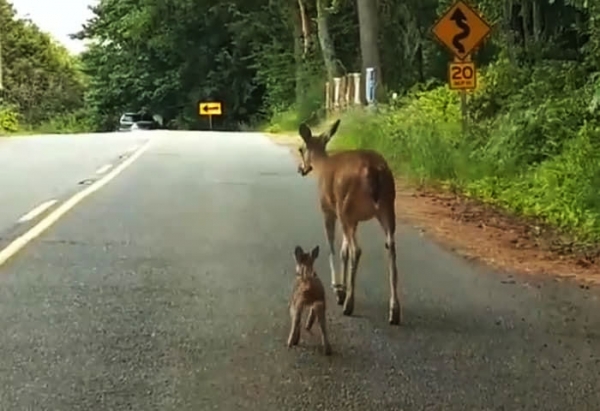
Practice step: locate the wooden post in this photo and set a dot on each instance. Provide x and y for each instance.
(327, 97)
(464, 109)
(336, 92)
(356, 88)
(210, 121)
(346, 91)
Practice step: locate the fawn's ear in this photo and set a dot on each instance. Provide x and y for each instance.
(305, 132)
(298, 253)
(314, 253)
(332, 130)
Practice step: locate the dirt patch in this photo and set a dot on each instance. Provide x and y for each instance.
(481, 232)
(498, 239)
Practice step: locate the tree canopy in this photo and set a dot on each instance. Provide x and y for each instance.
(40, 79)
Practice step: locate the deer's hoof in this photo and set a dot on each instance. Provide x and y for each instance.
(395, 315)
(340, 294)
(348, 306)
(327, 350)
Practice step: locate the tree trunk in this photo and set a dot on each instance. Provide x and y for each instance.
(537, 21)
(526, 16)
(325, 41)
(508, 32)
(369, 49)
(298, 49)
(305, 27)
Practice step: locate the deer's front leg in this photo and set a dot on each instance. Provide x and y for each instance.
(344, 259)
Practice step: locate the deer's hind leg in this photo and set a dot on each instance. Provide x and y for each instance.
(352, 255)
(336, 283)
(387, 220)
(310, 319)
(296, 316)
(319, 308)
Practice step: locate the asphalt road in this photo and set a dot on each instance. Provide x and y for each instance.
(39, 169)
(167, 290)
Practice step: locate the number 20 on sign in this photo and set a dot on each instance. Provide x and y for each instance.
(462, 75)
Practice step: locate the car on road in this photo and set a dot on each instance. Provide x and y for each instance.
(137, 121)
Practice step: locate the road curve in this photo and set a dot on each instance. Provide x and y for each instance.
(168, 288)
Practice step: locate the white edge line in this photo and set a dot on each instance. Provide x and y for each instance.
(104, 169)
(37, 211)
(20, 242)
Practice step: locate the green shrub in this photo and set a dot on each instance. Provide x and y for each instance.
(9, 120)
(68, 123)
(533, 144)
(309, 109)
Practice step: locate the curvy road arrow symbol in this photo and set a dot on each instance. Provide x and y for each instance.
(460, 20)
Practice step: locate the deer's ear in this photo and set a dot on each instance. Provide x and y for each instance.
(314, 253)
(332, 130)
(298, 252)
(305, 132)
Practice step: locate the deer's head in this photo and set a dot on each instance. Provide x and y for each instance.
(305, 261)
(314, 147)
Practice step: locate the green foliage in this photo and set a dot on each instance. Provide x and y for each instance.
(534, 126)
(307, 109)
(169, 55)
(41, 80)
(73, 122)
(534, 150)
(9, 120)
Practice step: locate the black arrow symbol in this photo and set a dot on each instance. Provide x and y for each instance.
(461, 21)
(208, 108)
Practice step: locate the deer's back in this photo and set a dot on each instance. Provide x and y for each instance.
(350, 174)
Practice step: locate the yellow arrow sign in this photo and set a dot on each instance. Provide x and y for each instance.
(210, 109)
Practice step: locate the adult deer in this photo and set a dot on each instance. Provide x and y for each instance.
(354, 186)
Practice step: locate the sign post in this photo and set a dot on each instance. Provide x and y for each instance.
(461, 30)
(210, 109)
(370, 84)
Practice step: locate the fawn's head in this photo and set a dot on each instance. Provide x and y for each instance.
(314, 146)
(305, 261)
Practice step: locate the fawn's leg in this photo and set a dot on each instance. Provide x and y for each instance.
(336, 283)
(320, 309)
(296, 315)
(354, 252)
(310, 320)
(387, 220)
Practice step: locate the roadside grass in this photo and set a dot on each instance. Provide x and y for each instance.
(532, 148)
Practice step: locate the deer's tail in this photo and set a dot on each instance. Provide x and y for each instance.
(380, 179)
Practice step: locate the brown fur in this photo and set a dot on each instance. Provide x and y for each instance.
(354, 186)
(308, 293)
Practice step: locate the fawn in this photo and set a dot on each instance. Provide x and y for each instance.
(308, 292)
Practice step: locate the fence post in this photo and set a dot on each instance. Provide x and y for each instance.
(356, 88)
(327, 97)
(336, 92)
(346, 91)
(370, 84)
